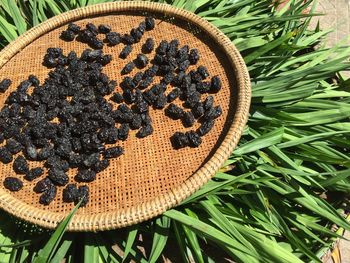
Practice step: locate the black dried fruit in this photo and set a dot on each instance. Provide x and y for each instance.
(5, 84)
(101, 165)
(48, 196)
(58, 176)
(136, 122)
(203, 71)
(162, 48)
(128, 39)
(150, 23)
(183, 66)
(145, 131)
(74, 28)
(128, 68)
(34, 173)
(145, 82)
(91, 159)
(212, 113)
(198, 110)
(203, 87)
(113, 38)
(20, 165)
(173, 95)
(179, 140)
(188, 119)
(215, 84)
(193, 56)
(113, 152)
(117, 97)
(194, 139)
(104, 29)
(68, 35)
(13, 184)
(125, 52)
(13, 146)
(85, 175)
(83, 194)
(160, 102)
(151, 72)
(205, 127)
(193, 99)
(208, 102)
(43, 185)
(5, 155)
(148, 46)
(70, 193)
(174, 111)
(141, 60)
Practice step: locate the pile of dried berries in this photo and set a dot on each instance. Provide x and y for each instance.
(69, 120)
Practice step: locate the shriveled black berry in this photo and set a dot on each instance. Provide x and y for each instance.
(5, 84)
(151, 72)
(203, 87)
(188, 119)
(100, 165)
(13, 184)
(125, 52)
(104, 29)
(136, 122)
(137, 78)
(96, 43)
(67, 35)
(13, 146)
(145, 82)
(162, 48)
(104, 60)
(215, 84)
(208, 102)
(203, 71)
(174, 112)
(113, 38)
(43, 185)
(91, 159)
(148, 46)
(205, 127)
(193, 56)
(168, 78)
(83, 193)
(160, 102)
(70, 193)
(58, 176)
(128, 39)
(74, 28)
(117, 97)
(92, 28)
(173, 95)
(145, 131)
(141, 106)
(183, 66)
(212, 113)
(193, 99)
(48, 196)
(194, 139)
(141, 60)
(113, 152)
(198, 110)
(179, 140)
(128, 68)
(136, 34)
(150, 23)
(20, 165)
(34, 173)
(5, 155)
(85, 175)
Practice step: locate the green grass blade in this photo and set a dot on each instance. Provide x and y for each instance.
(160, 238)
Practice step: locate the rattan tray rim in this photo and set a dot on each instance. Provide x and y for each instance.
(147, 210)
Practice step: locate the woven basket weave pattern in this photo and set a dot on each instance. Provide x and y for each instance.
(151, 177)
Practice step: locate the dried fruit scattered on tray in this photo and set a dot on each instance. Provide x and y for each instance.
(77, 116)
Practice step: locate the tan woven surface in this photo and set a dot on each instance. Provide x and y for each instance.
(151, 177)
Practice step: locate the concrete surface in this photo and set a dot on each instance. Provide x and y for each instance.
(337, 16)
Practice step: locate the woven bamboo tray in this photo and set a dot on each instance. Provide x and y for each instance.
(151, 177)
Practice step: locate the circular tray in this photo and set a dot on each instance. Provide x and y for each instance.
(151, 176)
